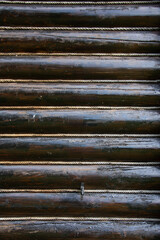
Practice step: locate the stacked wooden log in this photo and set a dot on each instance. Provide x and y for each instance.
(79, 120)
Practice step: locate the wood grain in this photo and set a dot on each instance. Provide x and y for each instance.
(94, 177)
(82, 41)
(86, 16)
(79, 149)
(125, 230)
(72, 94)
(41, 175)
(73, 205)
(80, 121)
(79, 67)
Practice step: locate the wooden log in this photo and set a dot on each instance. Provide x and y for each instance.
(82, 41)
(10, 230)
(74, 205)
(80, 16)
(79, 67)
(80, 149)
(72, 94)
(82, 230)
(94, 177)
(114, 121)
(41, 175)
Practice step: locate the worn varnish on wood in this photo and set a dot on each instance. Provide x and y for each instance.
(94, 177)
(78, 16)
(80, 94)
(80, 121)
(73, 205)
(79, 67)
(44, 158)
(80, 149)
(82, 230)
(80, 41)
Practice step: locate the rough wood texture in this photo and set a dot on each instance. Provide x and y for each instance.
(86, 16)
(72, 94)
(79, 149)
(41, 175)
(80, 67)
(80, 121)
(83, 41)
(49, 230)
(94, 177)
(74, 205)
(41, 230)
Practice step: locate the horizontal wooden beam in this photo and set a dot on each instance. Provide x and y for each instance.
(80, 67)
(78, 94)
(87, 16)
(119, 230)
(80, 121)
(80, 41)
(79, 152)
(76, 205)
(71, 176)
(79, 149)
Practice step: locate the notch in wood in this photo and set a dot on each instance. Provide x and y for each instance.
(82, 188)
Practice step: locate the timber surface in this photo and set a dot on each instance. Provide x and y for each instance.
(80, 121)
(79, 94)
(125, 230)
(80, 149)
(73, 205)
(61, 176)
(79, 67)
(79, 107)
(84, 41)
(80, 16)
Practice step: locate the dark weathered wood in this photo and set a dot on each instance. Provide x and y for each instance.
(93, 176)
(41, 176)
(86, 16)
(79, 67)
(100, 94)
(73, 205)
(80, 121)
(79, 149)
(82, 230)
(83, 41)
